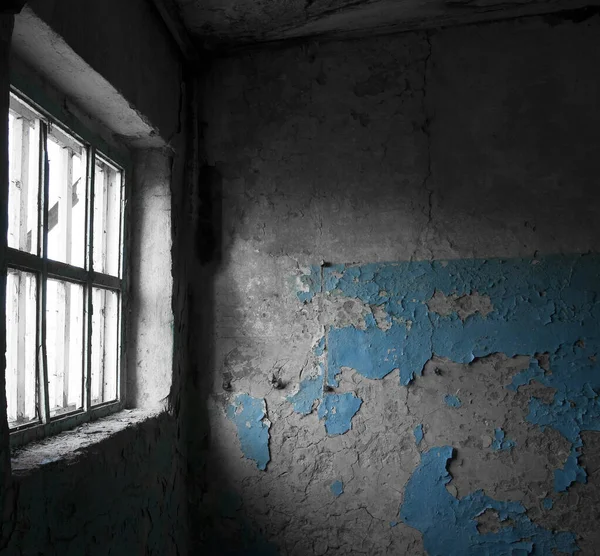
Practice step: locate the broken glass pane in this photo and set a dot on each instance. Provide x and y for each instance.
(66, 199)
(23, 145)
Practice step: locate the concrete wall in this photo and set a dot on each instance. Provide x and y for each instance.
(466, 145)
(115, 486)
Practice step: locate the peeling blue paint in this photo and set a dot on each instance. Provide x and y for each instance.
(311, 284)
(500, 443)
(547, 503)
(449, 525)
(549, 305)
(309, 392)
(248, 414)
(533, 372)
(572, 472)
(371, 352)
(452, 401)
(319, 349)
(393, 523)
(337, 410)
(337, 488)
(418, 432)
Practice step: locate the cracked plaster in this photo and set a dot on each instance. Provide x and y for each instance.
(325, 150)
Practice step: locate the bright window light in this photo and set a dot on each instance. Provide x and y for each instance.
(64, 297)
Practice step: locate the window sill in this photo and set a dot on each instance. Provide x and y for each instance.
(70, 446)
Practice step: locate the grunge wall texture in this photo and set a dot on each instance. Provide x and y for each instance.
(405, 325)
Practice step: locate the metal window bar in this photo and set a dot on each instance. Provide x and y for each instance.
(44, 268)
(89, 255)
(44, 394)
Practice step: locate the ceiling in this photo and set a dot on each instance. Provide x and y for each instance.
(226, 23)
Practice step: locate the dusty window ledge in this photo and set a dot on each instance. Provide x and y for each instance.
(69, 446)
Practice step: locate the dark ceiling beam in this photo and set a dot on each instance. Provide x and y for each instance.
(170, 15)
(11, 6)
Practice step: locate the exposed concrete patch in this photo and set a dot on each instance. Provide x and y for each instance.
(341, 311)
(540, 391)
(464, 305)
(383, 320)
(489, 522)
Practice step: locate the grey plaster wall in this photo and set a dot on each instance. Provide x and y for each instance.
(472, 142)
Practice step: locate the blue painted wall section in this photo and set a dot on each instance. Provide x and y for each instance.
(337, 410)
(448, 524)
(548, 305)
(309, 391)
(249, 414)
(500, 441)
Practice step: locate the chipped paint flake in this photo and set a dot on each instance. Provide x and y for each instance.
(308, 394)
(249, 415)
(337, 488)
(418, 432)
(452, 401)
(500, 441)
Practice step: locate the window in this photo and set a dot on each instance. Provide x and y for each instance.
(65, 282)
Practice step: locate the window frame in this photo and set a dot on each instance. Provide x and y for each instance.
(56, 115)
